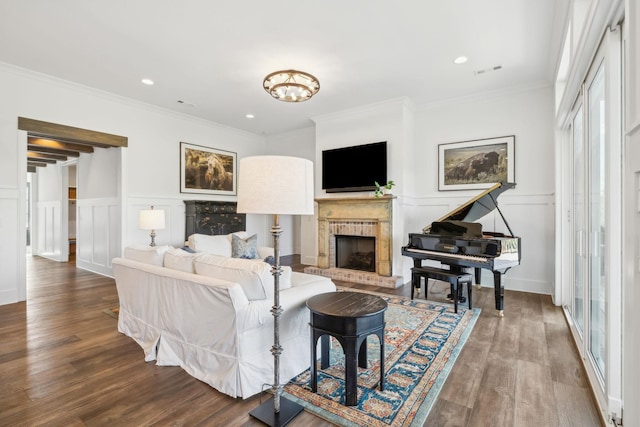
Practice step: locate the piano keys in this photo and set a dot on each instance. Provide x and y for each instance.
(458, 242)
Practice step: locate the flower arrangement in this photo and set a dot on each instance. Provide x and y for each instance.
(382, 189)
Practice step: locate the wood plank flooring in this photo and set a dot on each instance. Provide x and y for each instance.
(63, 363)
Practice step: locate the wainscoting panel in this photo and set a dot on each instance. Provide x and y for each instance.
(49, 244)
(12, 272)
(98, 231)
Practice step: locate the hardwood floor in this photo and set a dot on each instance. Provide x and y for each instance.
(63, 363)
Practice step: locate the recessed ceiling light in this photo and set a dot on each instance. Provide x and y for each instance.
(147, 82)
(460, 60)
(249, 116)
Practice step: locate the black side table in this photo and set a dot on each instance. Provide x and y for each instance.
(349, 317)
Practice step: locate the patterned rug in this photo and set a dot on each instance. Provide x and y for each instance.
(422, 342)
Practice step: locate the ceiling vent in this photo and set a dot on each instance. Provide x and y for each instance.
(487, 70)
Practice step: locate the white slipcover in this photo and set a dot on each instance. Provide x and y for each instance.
(209, 327)
(221, 244)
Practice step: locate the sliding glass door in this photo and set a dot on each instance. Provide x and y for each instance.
(596, 218)
(596, 142)
(579, 214)
(589, 219)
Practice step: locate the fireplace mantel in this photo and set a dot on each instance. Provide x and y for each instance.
(359, 216)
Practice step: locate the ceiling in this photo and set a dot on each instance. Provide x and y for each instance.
(208, 58)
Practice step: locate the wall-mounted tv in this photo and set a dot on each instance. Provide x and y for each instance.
(354, 168)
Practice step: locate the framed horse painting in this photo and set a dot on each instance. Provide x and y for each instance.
(207, 170)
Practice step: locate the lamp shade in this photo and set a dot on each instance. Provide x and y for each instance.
(275, 185)
(151, 219)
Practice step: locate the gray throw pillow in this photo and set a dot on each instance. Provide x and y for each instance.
(244, 248)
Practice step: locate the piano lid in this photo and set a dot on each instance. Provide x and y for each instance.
(479, 206)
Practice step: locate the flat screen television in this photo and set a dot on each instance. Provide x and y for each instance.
(355, 168)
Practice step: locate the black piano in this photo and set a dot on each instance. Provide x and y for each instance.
(457, 241)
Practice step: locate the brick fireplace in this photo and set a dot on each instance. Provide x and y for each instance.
(358, 217)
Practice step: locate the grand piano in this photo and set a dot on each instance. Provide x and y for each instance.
(457, 241)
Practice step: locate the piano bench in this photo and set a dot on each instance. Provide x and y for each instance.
(454, 279)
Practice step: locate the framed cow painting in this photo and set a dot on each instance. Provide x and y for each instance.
(476, 164)
(207, 170)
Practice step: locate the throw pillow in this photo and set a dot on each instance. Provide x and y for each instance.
(254, 276)
(178, 259)
(219, 245)
(147, 254)
(244, 248)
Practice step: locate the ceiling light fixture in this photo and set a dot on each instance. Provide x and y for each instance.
(460, 60)
(249, 116)
(148, 82)
(291, 85)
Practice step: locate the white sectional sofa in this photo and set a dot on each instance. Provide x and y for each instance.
(210, 314)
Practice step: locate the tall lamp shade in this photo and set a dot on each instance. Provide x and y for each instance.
(276, 185)
(151, 219)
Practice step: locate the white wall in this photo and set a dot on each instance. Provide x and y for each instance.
(149, 171)
(150, 165)
(390, 121)
(529, 207)
(49, 213)
(631, 203)
(413, 139)
(98, 209)
(295, 237)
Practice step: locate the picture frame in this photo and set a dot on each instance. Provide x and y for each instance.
(476, 164)
(205, 170)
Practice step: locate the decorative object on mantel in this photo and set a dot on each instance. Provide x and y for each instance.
(291, 85)
(381, 190)
(276, 185)
(151, 219)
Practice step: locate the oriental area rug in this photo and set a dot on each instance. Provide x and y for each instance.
(422, 341)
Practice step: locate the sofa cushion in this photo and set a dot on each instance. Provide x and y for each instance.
(218, 245)
(147, 254)
(179, 259)
(253, 275)
(244, 248)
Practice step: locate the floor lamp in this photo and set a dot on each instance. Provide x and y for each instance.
(276, 185)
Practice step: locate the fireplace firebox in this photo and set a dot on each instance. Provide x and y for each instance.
(356, 252)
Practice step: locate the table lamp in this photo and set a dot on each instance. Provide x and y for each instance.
(151, 219)
(276, 185)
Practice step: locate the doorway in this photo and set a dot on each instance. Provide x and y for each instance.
(74, 190)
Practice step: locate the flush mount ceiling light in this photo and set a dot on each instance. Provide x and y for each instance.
(460, 60)
(291, 85)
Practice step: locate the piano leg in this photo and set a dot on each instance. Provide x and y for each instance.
(499, 292)
(478, 277)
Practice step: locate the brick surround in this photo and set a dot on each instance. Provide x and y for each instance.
(361, 216)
